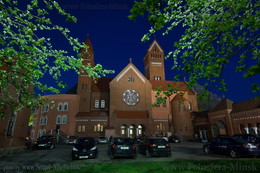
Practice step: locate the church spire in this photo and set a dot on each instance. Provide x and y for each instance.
(154, 62)
(88, 56)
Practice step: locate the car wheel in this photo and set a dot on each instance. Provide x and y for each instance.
(134, 157)
(170, 154)
(234, 154)
(207, 150)
(148, 154)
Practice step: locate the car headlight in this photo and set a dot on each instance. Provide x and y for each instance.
(74, 149)
(94, 148)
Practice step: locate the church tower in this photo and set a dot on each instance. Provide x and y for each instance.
(154, 62)
(84, 81)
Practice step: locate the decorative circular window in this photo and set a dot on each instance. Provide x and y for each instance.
(131, 97)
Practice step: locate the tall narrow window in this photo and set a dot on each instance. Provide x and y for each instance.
(164, 103)
(47, 108)
(11, 122)
(58, 119)
(79, 128)
(102, 104)
(96, 104)
(41, 120)
(65, 106)
(64, 119)
(83, 129)
(45, 120)
(60, 107)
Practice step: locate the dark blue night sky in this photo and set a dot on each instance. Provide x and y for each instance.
(115, 39)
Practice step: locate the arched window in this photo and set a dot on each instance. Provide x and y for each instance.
(45, 120)
(41, 120)
(60, 107)
(123, 130)
(64, 119)
(65, 106)
(43, 131)
(96, 104)
(102, 104)
(58, 119)
(83, 129)
(98, 128)
(79, 128)
(47, 106)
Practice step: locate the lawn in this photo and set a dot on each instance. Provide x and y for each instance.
(238, 165)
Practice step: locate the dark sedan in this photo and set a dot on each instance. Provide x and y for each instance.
(84, 148)
(155, 147)
(45, 142)
(235, 147)
(122, 147)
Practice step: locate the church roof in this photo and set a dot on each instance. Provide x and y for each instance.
(101, 85)
(178, 97)
(223, 105)
(182, 86)
(99, 114)
(246, 105)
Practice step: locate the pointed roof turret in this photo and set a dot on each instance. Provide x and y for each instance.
(88, 56)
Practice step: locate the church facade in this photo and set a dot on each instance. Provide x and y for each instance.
(120, 106)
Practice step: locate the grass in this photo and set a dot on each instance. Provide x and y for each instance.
(185, 166)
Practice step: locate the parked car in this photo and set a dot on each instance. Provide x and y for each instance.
(174, 139)
(71, 140)
(248, 137)
(235, 147)
(102, 140)
(44, 142)
(155, 147)
(122, 147)
(84, 148)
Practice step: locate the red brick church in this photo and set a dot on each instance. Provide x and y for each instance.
(120, 106)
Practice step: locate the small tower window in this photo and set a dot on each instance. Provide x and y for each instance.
(102, 104)
(96, 104)
(131, 79)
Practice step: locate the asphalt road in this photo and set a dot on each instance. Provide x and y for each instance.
(60, 157)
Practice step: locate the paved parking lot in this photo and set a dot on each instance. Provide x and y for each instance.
(61, 157)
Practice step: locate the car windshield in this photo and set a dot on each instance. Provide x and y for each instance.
(86, 141)
(120, 141)
(44, 138)
(158, 141)
(240, 140)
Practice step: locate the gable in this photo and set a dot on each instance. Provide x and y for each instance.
(155, 43)
(137, 72)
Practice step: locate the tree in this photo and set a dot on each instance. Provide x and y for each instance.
(26, 52)
(216, 32)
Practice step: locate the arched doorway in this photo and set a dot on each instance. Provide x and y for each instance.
(140, 130)
(251, 129)
(258, 128)
(219, 129)
(242, 129)
(132, 131)
(123, 130)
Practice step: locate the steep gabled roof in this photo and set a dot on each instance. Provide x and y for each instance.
(155, 43)
(178, 97)
(246, 105)
(223, 105)
(182, 86)
(101, 85)
(72, 90)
